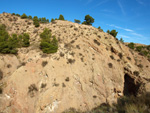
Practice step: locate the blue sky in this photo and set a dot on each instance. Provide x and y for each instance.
(131, 18)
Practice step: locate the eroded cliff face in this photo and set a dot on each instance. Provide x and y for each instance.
(90, 68)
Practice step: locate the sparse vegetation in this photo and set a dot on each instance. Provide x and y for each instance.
(1, 90)
(142, 49)
(9, 66)
(108, 31)
(139, 48)
(120, 55)
(110, 65)
(72, 110)
(100, 28)
(128, 58)
(49, 44)
(1, 75)
(67, 79)
(77, 21)
(44, 63)
(121, 40)
(18, 15)
(77, 46)
(136, 73)
(140, 66)
(71, 61)
(96, 42)
(43, 85)
(112, 57)
(13, 14)
(125, 104)
(32, 89)
(43, 20)
(61, 54)
(63, 85)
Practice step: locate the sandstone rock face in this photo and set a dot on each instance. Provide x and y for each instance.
(90, 68)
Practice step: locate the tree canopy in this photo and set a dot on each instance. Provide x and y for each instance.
(112, 32)
(23, 16)
(61, 17)
(36, 21)
(9, 44)
(49, 43)
(88, 20)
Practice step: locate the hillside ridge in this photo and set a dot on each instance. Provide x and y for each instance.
(91, 67)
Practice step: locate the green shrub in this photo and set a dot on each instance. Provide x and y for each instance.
(52, 20)
(18, 15)
(25, 40)
(13, 14)
(100, 28)
(36, 21)
(77, 21)
(44, 63)
(61, 17)
(43, 20)
(144, 53)
(120, 55)
(46, 34)
(47, 20)
(2, 28)
(48, 43)
(148, 47)
(131, 45)
(121, 40)
(30, 17)
(108, 31)
(23, 16)
(113, 33)
(9, 44)
(88, 20)
(139, 48)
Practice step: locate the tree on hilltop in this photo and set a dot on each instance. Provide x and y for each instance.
(52, 20)
(36, 21)
(30, 17)
(88, 20)
(113, 33)
(23, 16)
(61, 17)
(77, 21)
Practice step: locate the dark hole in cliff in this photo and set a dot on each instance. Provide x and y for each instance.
(130, 88)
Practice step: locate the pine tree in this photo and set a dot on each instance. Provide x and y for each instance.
(88, 20)
(36, 21)
(23, 16)
(61, 17)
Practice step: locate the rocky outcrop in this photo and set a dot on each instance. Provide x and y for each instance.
(91, 67)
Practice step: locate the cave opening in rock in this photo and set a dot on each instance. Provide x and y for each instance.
(130, 87)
